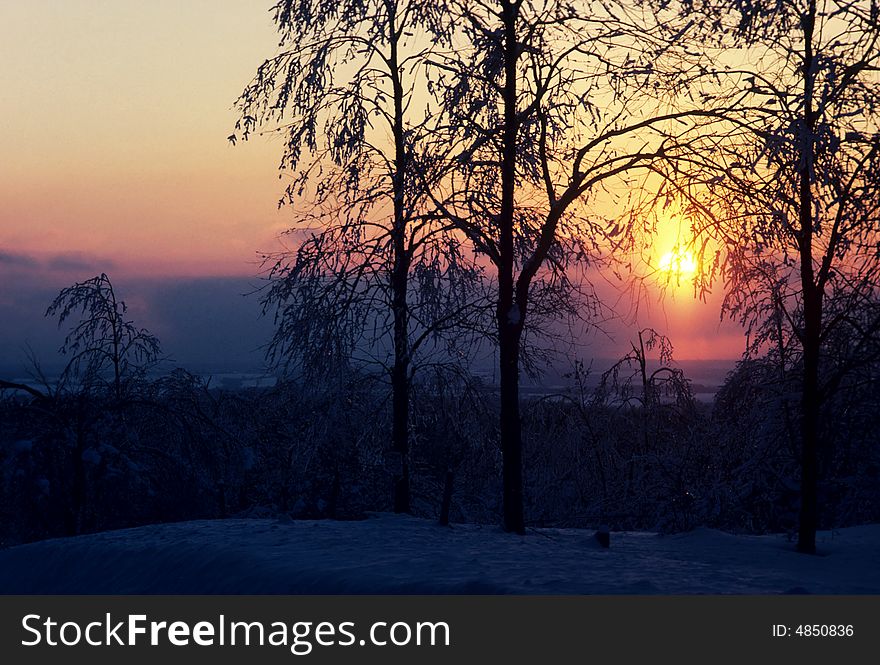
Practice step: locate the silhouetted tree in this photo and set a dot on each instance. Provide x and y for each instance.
(546, 100)
(103, 341)
(80, 415)
(632, 381)
(368, 264)
(789, 196)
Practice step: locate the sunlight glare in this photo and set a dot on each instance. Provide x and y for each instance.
(678, 262)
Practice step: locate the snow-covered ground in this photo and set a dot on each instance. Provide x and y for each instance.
(396, 554)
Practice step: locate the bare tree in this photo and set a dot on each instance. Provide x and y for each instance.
(789, 195)
(632, 381)
(103, 341)
(108, 357)
(369, 268)
(549, 102)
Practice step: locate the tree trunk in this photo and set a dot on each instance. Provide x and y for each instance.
(399, 284)
(812, 305)
(509, 313)
(400, 416)
(511, 429)
(810, 405)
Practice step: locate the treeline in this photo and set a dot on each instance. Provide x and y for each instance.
(610, 450)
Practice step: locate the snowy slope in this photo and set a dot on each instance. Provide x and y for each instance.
(394, 554)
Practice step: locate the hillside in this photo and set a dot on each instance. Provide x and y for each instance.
(394, 554)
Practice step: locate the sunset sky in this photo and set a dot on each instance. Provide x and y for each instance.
(113, 133)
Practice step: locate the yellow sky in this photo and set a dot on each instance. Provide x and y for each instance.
(113, 125)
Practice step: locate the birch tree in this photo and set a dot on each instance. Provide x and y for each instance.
(788, 197)
(550, 103)
(368, 274)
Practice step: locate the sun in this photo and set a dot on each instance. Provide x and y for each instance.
(678, 262)
(672, 254)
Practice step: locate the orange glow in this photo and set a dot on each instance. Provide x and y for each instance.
(670, 256)
(115, 159)
(678, 262)
(114, 142)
